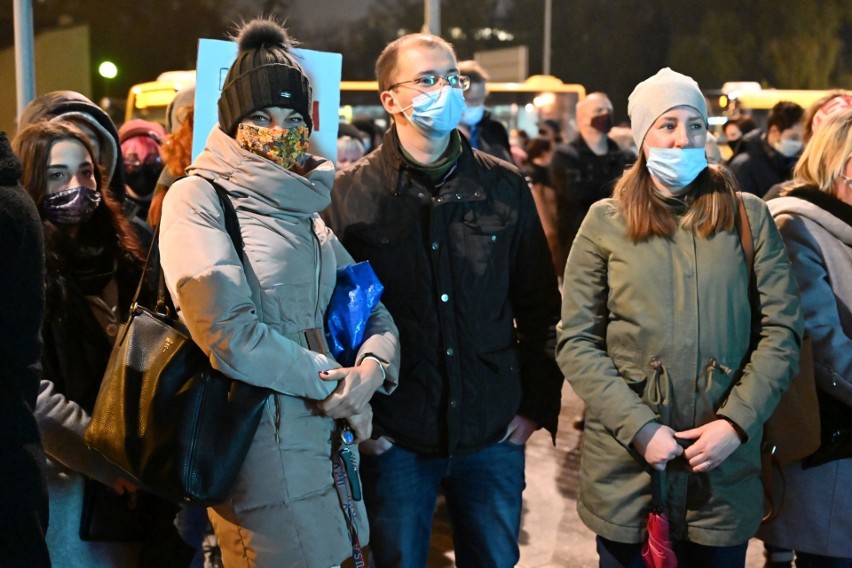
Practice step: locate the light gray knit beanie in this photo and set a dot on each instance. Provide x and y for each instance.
(657, 94)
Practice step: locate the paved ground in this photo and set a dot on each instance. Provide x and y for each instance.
(551, 532)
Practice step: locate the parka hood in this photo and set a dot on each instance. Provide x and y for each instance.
(824, 209)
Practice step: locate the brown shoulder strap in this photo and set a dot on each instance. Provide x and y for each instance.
(744, 230)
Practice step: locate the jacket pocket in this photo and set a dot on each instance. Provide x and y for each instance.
(486, 249)
(501, 391)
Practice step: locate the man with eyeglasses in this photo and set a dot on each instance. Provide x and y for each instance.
(454, 237)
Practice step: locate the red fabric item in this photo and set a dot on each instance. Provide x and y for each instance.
(657, 551)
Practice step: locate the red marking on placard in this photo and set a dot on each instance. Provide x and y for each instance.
(315, 116)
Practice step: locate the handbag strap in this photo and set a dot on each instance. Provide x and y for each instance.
(744, 231)
(769, 462)
(232, 227)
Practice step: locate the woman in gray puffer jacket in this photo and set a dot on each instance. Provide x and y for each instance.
(814, 217)
(260, 321)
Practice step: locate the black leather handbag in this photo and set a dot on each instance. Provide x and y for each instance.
(163, 414)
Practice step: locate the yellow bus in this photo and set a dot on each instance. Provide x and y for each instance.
(518, 105)
(150, 100)
(758, 101)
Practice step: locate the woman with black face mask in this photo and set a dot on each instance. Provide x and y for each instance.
(93, 263)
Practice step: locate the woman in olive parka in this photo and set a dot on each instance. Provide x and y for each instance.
(656, 335)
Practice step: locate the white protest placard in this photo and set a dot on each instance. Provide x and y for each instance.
(323, 69)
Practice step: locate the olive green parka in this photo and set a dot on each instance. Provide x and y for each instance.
(660, 330)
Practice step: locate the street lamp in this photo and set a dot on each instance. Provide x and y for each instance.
(548, 18)
(107, 70)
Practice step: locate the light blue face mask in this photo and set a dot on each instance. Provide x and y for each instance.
(473, 114)
(436, 113)
(676, 168)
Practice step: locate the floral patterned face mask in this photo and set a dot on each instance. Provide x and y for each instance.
(284, 146)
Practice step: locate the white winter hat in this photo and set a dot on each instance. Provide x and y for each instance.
(659, 93)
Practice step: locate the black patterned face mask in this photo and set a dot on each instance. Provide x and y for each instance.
(71, 206)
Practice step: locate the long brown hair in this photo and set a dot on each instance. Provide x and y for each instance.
(108, 225)
(711, 206)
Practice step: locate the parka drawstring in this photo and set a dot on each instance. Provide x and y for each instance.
(659, 391)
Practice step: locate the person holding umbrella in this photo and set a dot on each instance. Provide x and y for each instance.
(656, 337)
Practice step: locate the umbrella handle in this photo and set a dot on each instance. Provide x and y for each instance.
(657, 499)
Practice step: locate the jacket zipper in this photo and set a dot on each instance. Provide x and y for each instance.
(277, 419)
(317, 266)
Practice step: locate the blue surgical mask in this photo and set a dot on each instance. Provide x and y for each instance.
(436, 113)
(71, 206)
(676, 168)
(473, 114)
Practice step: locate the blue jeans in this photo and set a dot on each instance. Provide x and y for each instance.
(806, 560)
(483, 493)
(689, 554)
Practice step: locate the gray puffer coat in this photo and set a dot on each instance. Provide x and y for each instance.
(250, 318)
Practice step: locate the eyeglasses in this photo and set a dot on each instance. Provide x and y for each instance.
(454, 80)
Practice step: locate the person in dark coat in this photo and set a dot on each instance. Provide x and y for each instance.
(584, 170)
(483, 131)
(768, 158)
(23, 485)
(454, 237)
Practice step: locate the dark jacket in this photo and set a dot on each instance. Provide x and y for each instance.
(580, 178)
(490, 136)
(23, 487)
(759, 166)
(460, 261)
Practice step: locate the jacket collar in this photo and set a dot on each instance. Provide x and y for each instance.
(461, 183)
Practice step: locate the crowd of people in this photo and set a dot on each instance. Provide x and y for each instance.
(615, 260)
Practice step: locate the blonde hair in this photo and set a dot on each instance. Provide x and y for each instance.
(825, 156)
(712, 207)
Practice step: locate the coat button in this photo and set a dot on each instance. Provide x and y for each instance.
(445, 298)
(450, 352)
(435, 246)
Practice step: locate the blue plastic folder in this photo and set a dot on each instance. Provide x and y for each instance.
(356, 294)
